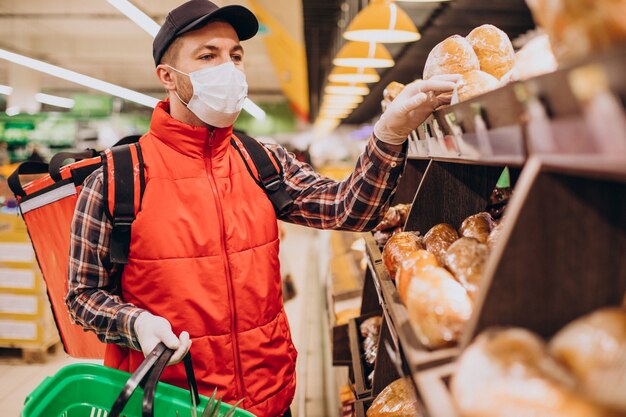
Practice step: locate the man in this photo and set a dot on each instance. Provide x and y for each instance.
(203, 259)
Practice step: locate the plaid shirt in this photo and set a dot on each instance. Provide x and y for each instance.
(355, 204)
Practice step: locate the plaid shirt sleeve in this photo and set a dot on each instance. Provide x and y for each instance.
(356, 203)
(93, 295)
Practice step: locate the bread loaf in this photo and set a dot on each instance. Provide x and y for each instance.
(466, 259)
(476, 83)
(438, 240)
(410, 267)
(477, 226)
(394, 217)
(494, 235)
(510, 374)
(438, 307)
(453, 55)
(396, 400)
(398, 248)
(593, 348)
(493, 48)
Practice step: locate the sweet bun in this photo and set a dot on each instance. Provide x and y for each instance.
(453, 55)
(493, 48)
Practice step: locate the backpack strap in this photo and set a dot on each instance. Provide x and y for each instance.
(124, 184)
(271, 175)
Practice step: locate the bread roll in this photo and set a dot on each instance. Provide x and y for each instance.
(438, 240)
(593, 348)
(396, 400)
(453, 55)
(466, 259)
(394, 217)
(477, 226)
(410, 267)
(493, 48)
(438, 307)
(398, 248)
(510, 374)
(494, 235)
(476, 83)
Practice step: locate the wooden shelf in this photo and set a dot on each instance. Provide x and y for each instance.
(362, 387)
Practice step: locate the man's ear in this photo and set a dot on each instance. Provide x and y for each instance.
(166, 77)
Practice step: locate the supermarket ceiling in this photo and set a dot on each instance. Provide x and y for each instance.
(94, 38)
(323, 20)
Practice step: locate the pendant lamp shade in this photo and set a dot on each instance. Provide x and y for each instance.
(347, 89)
(382, 21)
(335, 98)
(353, 75)
(339, 105)
(363, 54)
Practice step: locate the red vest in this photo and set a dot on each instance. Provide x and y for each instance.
(204, 255)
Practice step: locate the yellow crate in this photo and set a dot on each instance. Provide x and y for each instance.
(17, 278)
(27, 333)
(23, 306)
(13, 228)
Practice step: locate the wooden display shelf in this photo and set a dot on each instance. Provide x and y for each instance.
(363, 388)
(433, 385)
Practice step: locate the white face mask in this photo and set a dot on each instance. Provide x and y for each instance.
(218, 94)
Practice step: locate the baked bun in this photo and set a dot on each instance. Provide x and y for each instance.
(410, 267)
(453, 55)
(396, 400)
(477, 226)
(438, 307)
(493, 48)
(510, 374)
(495, 234)
(593, 348)
(466, 259)
(476, 83)
(398, 248)
(438, 240)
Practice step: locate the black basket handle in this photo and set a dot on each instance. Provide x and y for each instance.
(57, 161)
(25, 168)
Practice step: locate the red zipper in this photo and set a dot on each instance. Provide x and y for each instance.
(231, 292)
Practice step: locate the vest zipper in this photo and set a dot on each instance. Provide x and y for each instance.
(231, 292)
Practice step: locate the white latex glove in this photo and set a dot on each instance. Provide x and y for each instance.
(151, 330)
(412, 106)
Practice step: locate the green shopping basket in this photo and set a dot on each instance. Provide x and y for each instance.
(88, 390)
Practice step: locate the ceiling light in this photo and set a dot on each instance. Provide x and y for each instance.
(347, 89)
(140, 18)
(363, 54)
(382, 21)
(335, 112)
(67, 103)
(13, 110)
(6, 90)
(423, 1)
(78, 78)
(339, 105)
(333, 98)
(353, 75)
(254, 110)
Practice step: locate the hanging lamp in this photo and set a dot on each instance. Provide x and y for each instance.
(353, 75)
(382, 21)
(363, 54)
(347, 89)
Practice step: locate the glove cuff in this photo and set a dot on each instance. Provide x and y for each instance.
(384, 134)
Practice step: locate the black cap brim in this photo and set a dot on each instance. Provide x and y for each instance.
(241, 19)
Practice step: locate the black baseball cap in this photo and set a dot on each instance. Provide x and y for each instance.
(193, 14)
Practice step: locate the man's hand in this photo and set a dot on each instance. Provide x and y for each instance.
(151, 330)
(412, 106)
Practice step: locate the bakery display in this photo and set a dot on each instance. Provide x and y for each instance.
(593, 348)
(453, 55)
(410, 267)
(510, 373)
(438, 239)
(396, 400)
(438, 307)
(398, 248)
(477, 226)
(466, 259)
(493, 48)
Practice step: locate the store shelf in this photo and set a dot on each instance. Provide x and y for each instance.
(362, 387)
(433, 385)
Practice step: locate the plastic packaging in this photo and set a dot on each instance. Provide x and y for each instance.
(410, 267)
(477, 226)
(493, 48)
(453, 55)
(398, 248)
(509, 373)
(593, 348)
(466, 259)
(438, 307)
(476, 83)
(438, 240)
(396, 400)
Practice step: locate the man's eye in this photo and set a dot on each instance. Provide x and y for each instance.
(237, 58)
(207, 57)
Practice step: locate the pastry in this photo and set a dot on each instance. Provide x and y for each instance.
(476, 83)
(410, 267)
(453, 55)
(438, 239)
(477, 226)
(466, 259)
(396, 400)
(398, 248)
(493, 48)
